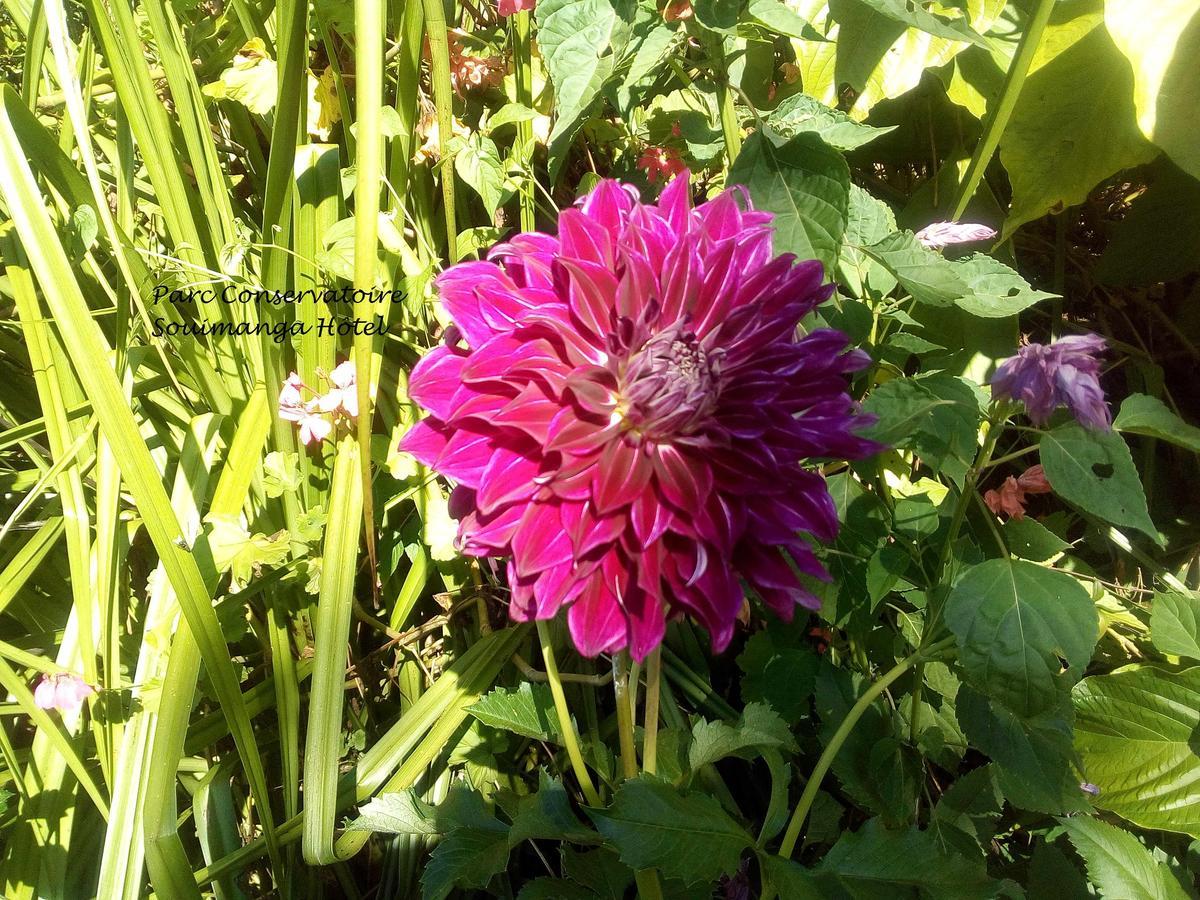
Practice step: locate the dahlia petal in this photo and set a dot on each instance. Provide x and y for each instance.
(508, 477)
(557, 586)
(425, 441)
(647, 622)
(464, 457)
(620, 476)
(530, 412)
(683, 484)
(486, 535)
(540, 541)
(435, 379)
(457, 289)
(596, 621)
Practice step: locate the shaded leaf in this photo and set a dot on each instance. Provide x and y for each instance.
(1149, 416)
(1175, 624)
(1118, 864)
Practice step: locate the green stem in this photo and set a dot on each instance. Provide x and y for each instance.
(443, 100)
(564, 717)
(1001, 110)
(653, 685)
(730, 129)
(523, 74)
(839, 738)
(629, 766)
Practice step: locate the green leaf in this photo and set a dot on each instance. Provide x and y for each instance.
(281, 473)
(779, 668)
(547, 815)
(243, 555)
(970, 807)
(686, 835)
(554, 889)
(936, 416)
(1015, 622)
(1162, 41)
(916, 16)
(1158, 238)
(875, 863)
(526, 710)
(801, 113)
(1073, 126)
(927, 276)
(717, 15)
(575, 38)
(1030, 539)
(478, 163)
(1150, 417)
(807, 187)
(1094, 471)
(599, 869)
(759, 727)
(1175, 624)
(509, 114)
(399, 812)
(1118, 864)
(779, 17)
(1136, 732)
(868, 220)
(1034, 755)
(995, 289)
(465, 858)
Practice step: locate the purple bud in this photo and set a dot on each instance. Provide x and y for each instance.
(1065, 373)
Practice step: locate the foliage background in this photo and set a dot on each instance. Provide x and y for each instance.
(304, 691)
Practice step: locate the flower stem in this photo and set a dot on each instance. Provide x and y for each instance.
(564, 717)
(629, 766)
(523, 75)
(839, 737)
(1001, 110)
(650, 732)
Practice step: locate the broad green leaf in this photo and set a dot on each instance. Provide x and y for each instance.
(937, 416)
(546, 814)
(1136, 732)
(1016, 623)
(1034, 756)
(1149, 416)
(759, 727)
(465, 858)
(868, 221)
(995, 289)
(252, 80)
(554, 889)
(781, 18)
(779, 668)
(478, 163)
(1073, 127)
(807, 187)
(1158, 238)
(1030, 539)
(1162, 41)
(398, 812)
(927, 276)
(509, 114)
(969, 807)
(575, 38)
(917, 16)
(281, 473)
(875, 863)
(1118, 864)
(599, 869)
(801, 113)
(1094, 471)
(526, 710)
(718, 15)
(1175, 624)
(685, 835)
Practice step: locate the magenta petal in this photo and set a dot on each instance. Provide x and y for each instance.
(540, 541)
(507, 478)
(622, 473)
(435, 379)
(464, 458)
(685, 485)
(647, 622)
(424, 441)
(596, 620)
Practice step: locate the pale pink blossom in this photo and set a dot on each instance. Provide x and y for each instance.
(512, 7)
(343, 395)
(65, 693)
(939, 234)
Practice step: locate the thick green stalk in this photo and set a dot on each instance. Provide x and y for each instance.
(1000, 111)
(523, 73)
(443, 100)
(564, 717)
(650, 729)
(629, 765)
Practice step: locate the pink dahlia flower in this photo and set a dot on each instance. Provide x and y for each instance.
(625, 409)
(1065, 373)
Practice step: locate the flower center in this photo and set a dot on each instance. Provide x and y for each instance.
(670, 386)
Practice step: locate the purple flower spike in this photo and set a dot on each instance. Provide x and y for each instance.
(1065, 373)
(940, 234)
(627, 418)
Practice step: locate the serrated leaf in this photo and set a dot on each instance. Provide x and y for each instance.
(779, 669)
(806, 185)
(465, 858)
(1094, 471)
(929, 277)
(399, 812)
(759, 727)
(995, 290)
(478, 163)
(547, 815)
(685, 835)
(801, 113)
(1118, 864)
(252, 80)
(527, 710)
(1035, 759)
(970, 807)
(281, 473)
(1030, 539)
(1175, 624)
(1136, 732)
(1015, 622)
(599, 869)
(917, 16)
(1149, 416)
(236, 551)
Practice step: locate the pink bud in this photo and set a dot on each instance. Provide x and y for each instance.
(939, 234)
